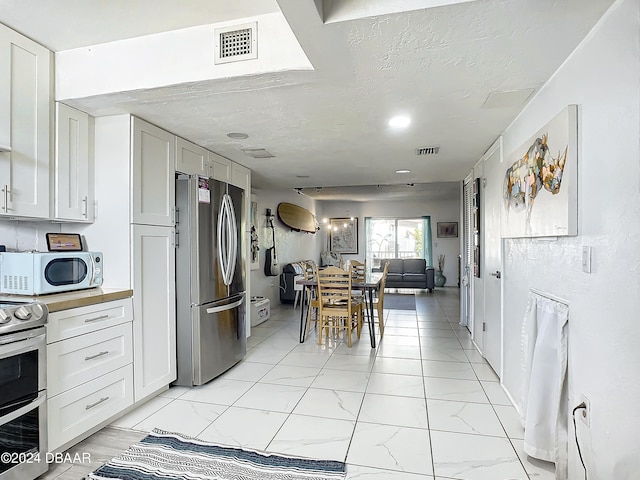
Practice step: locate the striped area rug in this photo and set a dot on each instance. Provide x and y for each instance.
(172, 456)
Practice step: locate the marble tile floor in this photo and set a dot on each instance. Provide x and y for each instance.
(423, 405)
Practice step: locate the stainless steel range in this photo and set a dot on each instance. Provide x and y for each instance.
(23, 394)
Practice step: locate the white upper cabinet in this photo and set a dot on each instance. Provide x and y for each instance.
(74, 165)
(241, 177)
(220, 167)
(191, 158)
(153, 179)
(25, 114)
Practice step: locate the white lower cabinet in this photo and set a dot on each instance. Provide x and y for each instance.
(89, 369)
(77, 321)
(78, 360)
(79, 409)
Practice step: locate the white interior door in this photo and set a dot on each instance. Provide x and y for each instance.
(493, 175)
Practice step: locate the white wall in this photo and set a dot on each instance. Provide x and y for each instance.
(291, 246)
(447, 210)
(602, 77)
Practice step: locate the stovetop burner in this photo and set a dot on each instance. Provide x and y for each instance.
(17, 316)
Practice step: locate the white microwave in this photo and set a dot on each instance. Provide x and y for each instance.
(39, 273)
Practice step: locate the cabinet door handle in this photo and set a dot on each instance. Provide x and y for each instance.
(102, 400)
(5, 206)
(101, 354)
(85, 207)
(496, 274)
(101, 317)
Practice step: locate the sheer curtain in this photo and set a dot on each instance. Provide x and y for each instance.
(425, 250)
(543, 397)
(368, 251)
(426, 244)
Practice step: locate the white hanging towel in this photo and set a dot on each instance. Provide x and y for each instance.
(544, 407)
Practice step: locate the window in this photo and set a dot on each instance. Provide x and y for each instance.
(397, 238)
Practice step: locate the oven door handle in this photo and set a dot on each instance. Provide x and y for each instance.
(14, 344)
(41, 398)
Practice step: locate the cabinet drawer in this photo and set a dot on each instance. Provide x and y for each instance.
(76, 411)
(78, 321)
(77, 360)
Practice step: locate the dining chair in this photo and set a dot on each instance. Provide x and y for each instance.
(338, 308)
(358, 274)
(358, 269)
(310, 273)
(378, 302)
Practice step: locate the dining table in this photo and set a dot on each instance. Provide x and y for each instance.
(368, 285)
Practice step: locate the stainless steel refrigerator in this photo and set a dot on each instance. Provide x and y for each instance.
(210, 292)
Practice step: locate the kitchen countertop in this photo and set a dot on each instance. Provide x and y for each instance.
(78, 298)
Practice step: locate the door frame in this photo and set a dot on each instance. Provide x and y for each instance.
(496, 147)
(466, 297)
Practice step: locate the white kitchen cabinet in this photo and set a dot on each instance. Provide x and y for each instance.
(220, 167)
(154, 305)
(241, 177)
(74, 322)
(77, 411)
(80, 359)
(74, 165)
(89, 369)
(153, 172)
(191, 158)
(26, 85)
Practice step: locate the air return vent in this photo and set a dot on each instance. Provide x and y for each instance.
(257, 153)
(427, 151)
(236, 43)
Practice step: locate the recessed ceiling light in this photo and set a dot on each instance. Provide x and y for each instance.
(403, 171)
(237, 135)
(399, 121)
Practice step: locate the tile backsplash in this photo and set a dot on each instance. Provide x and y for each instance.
(21, 236)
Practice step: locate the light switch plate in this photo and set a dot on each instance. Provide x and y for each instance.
(586, 259)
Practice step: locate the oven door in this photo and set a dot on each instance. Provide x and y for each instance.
(23, 414)
(22, 367)
(23, 441)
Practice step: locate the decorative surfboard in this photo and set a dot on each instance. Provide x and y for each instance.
(297, 218)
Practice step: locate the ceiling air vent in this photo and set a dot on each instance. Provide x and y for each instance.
(257, 153)
(427, 151)
(236, 43)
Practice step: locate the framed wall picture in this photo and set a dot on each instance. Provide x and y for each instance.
(343, 236)
(255, 249)
(540, 184)
(447, 229)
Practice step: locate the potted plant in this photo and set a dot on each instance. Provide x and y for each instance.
(439, 278)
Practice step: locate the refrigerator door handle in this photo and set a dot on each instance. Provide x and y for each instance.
(225, 203)
(233, 231)
(222, 308)
(221, 259)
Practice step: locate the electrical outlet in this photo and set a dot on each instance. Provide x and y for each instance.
(584, 414)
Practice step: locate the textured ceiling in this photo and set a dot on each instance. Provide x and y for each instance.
(328, 127)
